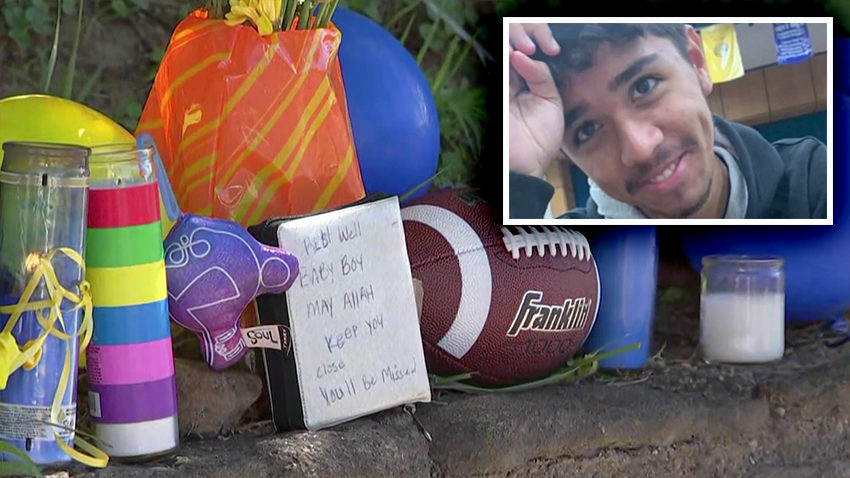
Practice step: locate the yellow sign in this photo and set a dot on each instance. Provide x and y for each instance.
(722, 55)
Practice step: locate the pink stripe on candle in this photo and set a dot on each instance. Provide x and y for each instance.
(128, 364)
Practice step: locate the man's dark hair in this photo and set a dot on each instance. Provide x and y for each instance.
(579, 42)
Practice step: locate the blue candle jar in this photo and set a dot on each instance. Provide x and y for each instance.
(43, 207)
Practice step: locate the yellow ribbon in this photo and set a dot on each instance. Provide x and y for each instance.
(12, 358)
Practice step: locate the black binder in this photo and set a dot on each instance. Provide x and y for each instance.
(272, 309)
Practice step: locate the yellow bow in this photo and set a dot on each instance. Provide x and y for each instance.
(12, 358)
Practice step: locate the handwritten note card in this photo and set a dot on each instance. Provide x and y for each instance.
(353, 314)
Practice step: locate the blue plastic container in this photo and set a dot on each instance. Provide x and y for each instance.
(43, 207)
(627, 260)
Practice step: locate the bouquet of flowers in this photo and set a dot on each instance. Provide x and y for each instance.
(248, 111)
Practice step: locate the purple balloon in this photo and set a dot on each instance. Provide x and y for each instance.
(215, 268)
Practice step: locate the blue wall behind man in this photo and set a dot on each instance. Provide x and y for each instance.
(808, 125)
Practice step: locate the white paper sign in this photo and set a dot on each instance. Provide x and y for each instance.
(353, 314)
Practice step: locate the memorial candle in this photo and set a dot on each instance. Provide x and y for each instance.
(43, 204)
(132, 394)
(742, 309)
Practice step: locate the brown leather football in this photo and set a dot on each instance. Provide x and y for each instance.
(510, 304)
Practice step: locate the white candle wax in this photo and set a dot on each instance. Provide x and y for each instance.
(139, 440)
(742, 328)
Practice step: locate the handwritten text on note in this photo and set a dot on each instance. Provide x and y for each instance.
(353, 312)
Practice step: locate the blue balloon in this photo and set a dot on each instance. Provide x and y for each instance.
(842, 73)
(817, 258)
(393, 113)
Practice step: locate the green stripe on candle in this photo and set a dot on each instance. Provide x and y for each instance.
(124, 246)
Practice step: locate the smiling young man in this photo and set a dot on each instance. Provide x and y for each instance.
(627, 103)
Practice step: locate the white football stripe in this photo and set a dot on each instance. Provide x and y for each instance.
(476, 278)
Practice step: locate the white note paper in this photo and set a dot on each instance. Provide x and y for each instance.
(353, 314)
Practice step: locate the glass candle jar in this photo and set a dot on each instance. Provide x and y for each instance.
(43, 202)
(742, 309)
(132, 391)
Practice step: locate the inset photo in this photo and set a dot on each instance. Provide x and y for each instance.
(673, 121)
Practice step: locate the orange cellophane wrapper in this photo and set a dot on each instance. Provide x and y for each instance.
(251, 127)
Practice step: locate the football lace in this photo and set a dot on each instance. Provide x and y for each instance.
(556, 238)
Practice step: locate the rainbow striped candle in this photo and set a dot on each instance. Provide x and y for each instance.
(132, 394)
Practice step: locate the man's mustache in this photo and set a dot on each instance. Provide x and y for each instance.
(660, 156)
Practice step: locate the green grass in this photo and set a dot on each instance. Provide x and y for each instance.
(574, 370)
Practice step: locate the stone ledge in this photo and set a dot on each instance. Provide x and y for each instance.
(754, 422)
(370, 447)
(499, 433)
(834, 469)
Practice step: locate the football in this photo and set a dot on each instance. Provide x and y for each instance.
(509, 304)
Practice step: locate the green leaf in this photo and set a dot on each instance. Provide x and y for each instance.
(425, 29)
(840, 9)
(68, 6)
(445, 67)
(120, 7)
(372, 12)
(155, 56)
(54, 52)
(23, 467)
(19, 26)
(90, 83)
(71, 69)
(575, 370)
(406, 195)
(365, 7)
(462, 113)
(671, 294)
(428, 32)
(453, 165)
(453, 14)
(129, 118)
(401, 13)
(11, 468)
(470, 16)
(38, 18)
(403, 38)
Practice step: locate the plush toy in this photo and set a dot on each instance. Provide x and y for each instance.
(214, 270)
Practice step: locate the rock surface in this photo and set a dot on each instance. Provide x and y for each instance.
(679, 418)
(649, 427)
(211, 402)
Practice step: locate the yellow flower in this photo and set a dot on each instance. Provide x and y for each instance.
(259, 12)
(272, 9)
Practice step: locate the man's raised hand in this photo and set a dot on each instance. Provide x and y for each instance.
(536, 124)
